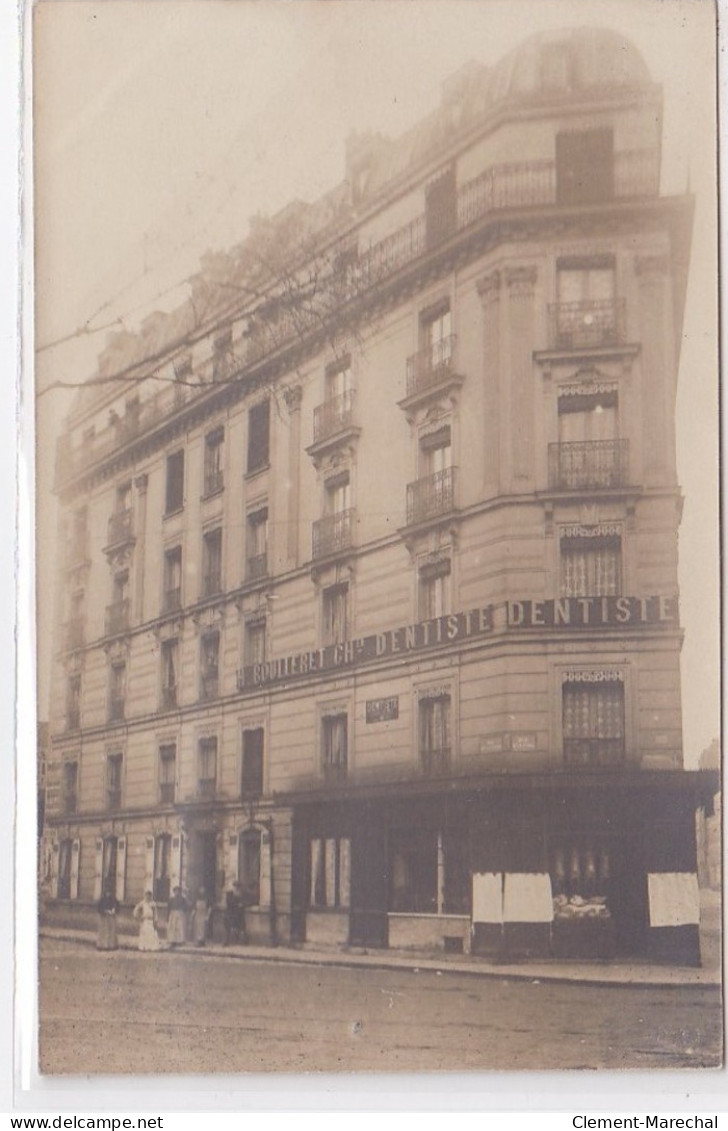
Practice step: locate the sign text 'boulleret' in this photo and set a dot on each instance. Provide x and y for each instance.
(566, 612)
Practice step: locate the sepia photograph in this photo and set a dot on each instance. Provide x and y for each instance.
(377, 536)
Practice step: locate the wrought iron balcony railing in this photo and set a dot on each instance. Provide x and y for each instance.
(517, 185)
(333, 533)
(117, 616)
(166, 792)
(436, 761)
(431, 496)
(333, 416)
(589, 465)
(583, 325)
(430, 365)
(594, 751)
(172, 600)
(120, 527)
(256, 567)
(209, 685)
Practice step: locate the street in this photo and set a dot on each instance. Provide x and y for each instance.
(138, 1013)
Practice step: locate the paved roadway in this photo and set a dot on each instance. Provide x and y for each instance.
(183, 1013)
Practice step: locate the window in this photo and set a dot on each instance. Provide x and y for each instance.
(117, 614)
(222, 355)
(123, 499)
(588, 417)
(258, 436)
(593, 720)
(436, 340)
(109, 857)
(167, 772)
(172, 579)
(252, 773)
(440, 207)
(584, 166)
(433, 492)
(213, 473)
(434, 722)
(65, 852)
(257, 544)
(206, 767)
(170, 667)
(337, 497)
(434, 590)
(73, 702)
(162, 859)
(413, 871)
(335, 745)
(209, 673)
(591, 565)
(335, 614)
(69, 787)
(580, 877)
(212, 562)
(114, 764)
(255, 641)
(249, 854)
(587, 313)
(175, 491)
(589, 454)
(338, 380)
(117, 692)
(330, 872)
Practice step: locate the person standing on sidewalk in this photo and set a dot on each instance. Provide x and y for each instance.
(107, 908)
(234, 916)
(146, 912)
(201, 918)
(177, 922)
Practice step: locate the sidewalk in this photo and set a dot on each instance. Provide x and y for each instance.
(598, 973)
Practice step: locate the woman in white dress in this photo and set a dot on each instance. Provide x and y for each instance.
(146, 913)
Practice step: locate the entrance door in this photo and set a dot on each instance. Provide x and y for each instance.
(628, 897)
(207, 863)
(368, 924)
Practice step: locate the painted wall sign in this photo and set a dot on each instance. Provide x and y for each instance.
(382, 710)
(592, 612)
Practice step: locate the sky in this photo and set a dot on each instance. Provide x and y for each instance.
(162, 126)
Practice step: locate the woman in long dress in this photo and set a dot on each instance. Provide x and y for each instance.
(107, 908)
(201, 918)
(146, 913)
(177, 922)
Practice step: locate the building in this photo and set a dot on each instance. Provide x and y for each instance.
(369, 550)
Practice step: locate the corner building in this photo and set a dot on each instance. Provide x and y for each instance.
(368, 585)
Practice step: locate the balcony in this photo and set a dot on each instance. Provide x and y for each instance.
(256, 567)
(589, 465)
(334, 533)
(593, 752)
(74, 633)
(518, 185)
(169, 698)
(120, 529)
(587, 325)
(206, 789)
(434, 762)
(209, 686)
(172, 600)
(166, 793)
(214, 483)
(117, 617)
(333, 416)
(431, 497)
(117, 709)
(113, 800)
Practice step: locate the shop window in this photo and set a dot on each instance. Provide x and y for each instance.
(435, 736)
(172, 579)
(252, 769)
(254, 647)
(581, 879)
(167, 773)
(170, 668)
(162, 861)
(256, 544)
(212, 562)
(335, 614)
(174, 493)
(434, 590)
(593, 720)
(213, 472)
(330, 872)
(584, 166)
(591, 566)
(258, 436)
(70, 787)
(249, 858)
(207, 767)
(335, 745)
(209, 665)
(413, 871)
(114, 766)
